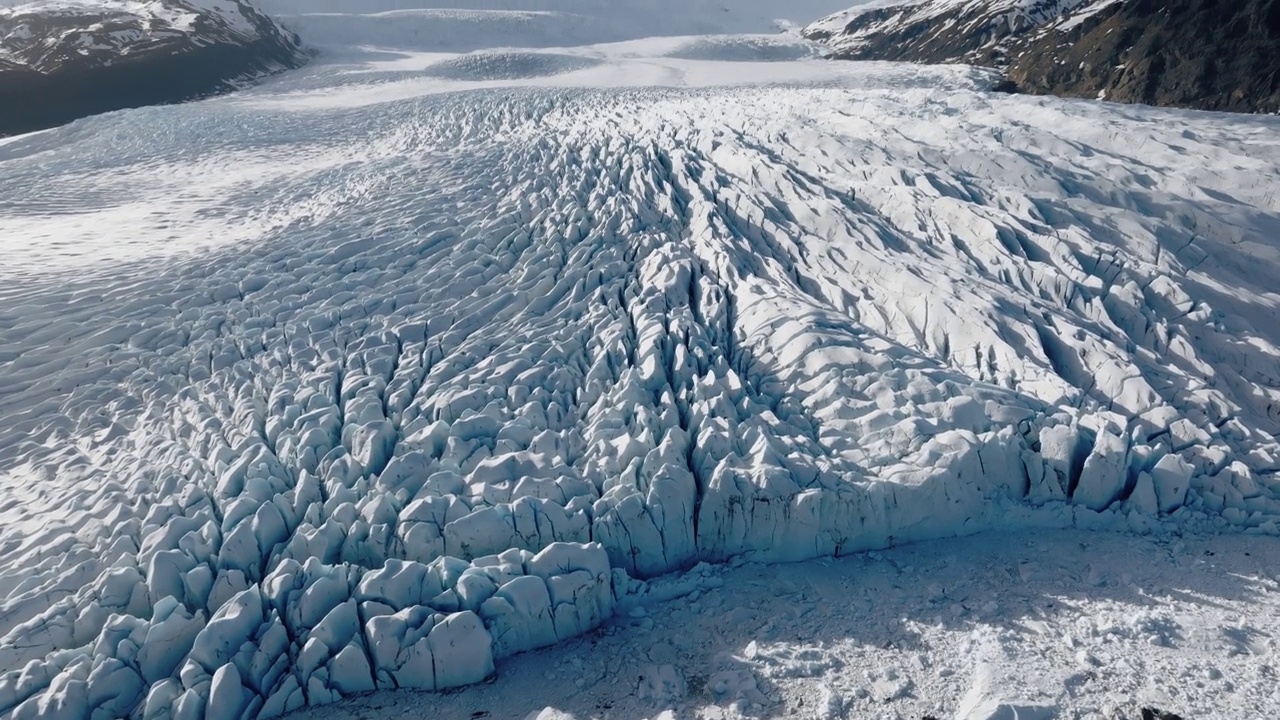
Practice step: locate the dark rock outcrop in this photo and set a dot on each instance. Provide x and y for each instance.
(1206, 54)
(60, 62)
(1154, 714)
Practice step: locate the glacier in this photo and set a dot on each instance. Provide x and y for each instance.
(421, 357)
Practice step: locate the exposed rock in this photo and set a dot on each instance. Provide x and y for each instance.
(63, 61)
(1182, 53)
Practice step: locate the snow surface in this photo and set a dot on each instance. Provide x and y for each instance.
(398, 365)
(1046, 623)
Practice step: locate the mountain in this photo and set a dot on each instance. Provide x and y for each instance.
(1182, 53)
(934, 31)
(68, 59)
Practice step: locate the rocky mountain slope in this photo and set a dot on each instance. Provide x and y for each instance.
(1183, 53)
(68, 59)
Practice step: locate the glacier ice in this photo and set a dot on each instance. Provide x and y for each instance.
(451, 372)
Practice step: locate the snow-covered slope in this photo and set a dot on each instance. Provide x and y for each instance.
(46, 35)
(934, 30)
(410, 361)
(63, 59)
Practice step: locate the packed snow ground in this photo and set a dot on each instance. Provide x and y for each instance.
(412, 360)
(1049, 623)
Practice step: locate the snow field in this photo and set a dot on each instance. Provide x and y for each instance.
(1041, 623)
(336, 26)
(449, 373)
(506, 66)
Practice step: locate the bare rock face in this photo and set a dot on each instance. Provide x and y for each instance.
(1206, 54)
(68, 59)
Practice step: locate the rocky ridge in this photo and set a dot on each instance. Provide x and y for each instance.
(1182, 53)
(64, 60)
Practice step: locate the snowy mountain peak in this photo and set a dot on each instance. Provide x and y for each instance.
(45, 36)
